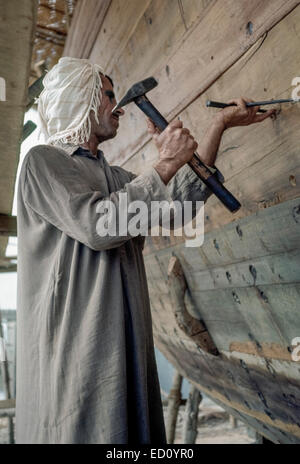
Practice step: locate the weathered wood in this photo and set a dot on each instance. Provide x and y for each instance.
(250, 392)
(271, 234)
(269, 231)
(174, 401)
(114, 35)
(192, 327)
(17, 23)
(8, 225)
(87, 20)
(190, 428)
(233, 421)
(268, 270)
(245, 276)
(193, 65)
(133, 37)
(258, 173)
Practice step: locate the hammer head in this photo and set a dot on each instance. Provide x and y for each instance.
(137, 90)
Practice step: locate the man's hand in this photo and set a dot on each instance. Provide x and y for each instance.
(175, 146)
(241, 115)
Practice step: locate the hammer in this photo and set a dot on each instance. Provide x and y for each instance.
(137, 94)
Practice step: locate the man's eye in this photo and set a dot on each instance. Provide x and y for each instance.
(110, 95)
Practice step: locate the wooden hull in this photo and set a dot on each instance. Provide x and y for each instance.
(244, 283)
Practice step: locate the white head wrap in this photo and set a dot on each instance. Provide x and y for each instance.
(71, 91)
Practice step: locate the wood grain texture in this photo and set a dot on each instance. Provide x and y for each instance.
(257, 161)
(87, 21)
(120, 23)
(192, 327)
(257, 395)
(190, 62)
(243, 281)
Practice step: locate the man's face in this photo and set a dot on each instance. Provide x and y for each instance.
(108, 121)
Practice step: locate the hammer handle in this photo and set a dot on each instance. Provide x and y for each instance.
(196, 164)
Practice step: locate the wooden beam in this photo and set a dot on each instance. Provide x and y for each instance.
(192, 327)
(190, 428)
(8, 225)
(86, 23)
(174, 400)
(197, 60)
(114, 35)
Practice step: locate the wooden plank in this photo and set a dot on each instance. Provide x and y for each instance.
(191, 63)
(192, 327)
(267, 313)
(86, 23)
(251, 393)
(268, 270)
(269, 231)
(263, 248)
(17, 24)
(245, 276)
(265, 172)
(261, 316)
(141, 22)
(114, 34)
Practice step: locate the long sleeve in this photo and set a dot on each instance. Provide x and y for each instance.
(55, 190)
(186, 185)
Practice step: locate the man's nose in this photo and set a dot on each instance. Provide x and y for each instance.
(120, 111)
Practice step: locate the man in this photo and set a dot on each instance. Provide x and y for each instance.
(86, 369)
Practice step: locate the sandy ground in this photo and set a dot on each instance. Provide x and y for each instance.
(214, 427)
(4, 439)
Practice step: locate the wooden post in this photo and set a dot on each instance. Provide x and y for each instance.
(5, 373)
(192, 327)
(174, 400)
(190, 428)
(233, 421)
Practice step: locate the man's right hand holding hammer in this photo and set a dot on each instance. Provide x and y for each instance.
(176, 145)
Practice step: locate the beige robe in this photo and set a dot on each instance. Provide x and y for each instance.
(86, 370)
